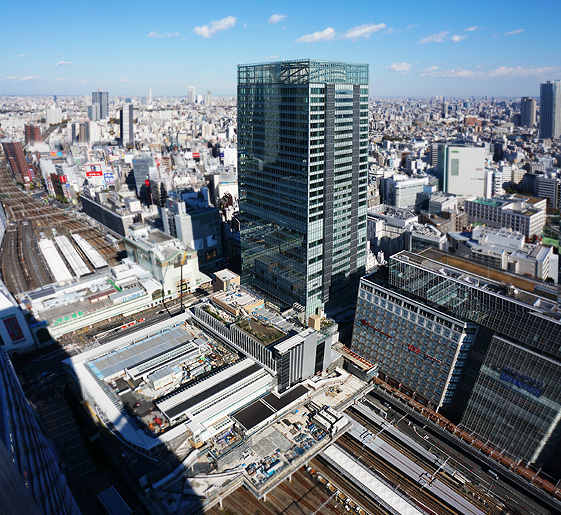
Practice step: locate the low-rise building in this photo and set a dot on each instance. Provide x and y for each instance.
(169, 260)
(517, 212)
(504, 249)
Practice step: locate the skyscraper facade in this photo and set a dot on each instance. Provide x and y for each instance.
(101, 98)
(527, 112)
(126, 124)
(550, 109)
(93, 112)
(13, 150)
(481, 344)
(302, 152)
(192, 96)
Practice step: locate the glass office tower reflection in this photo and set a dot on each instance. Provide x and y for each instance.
(302, 154)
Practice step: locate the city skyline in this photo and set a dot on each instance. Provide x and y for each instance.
(496, 49)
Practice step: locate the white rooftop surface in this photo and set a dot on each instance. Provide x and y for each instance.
(239, 297)
(93, 255)
(122, 424)
(220, 378)
(132, 355)
(365, 478)
(54, 261)
(74, 260)
(225, 274)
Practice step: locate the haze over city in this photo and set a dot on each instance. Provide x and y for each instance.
(498, 48)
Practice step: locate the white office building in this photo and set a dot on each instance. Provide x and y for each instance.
(462, 169)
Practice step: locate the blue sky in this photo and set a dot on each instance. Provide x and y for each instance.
(414, 48)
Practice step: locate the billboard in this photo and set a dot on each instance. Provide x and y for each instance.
(14, 329)
(94, 170)
(63, 179)
(109, 178)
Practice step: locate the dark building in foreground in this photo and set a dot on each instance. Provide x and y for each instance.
(302, 153)
(31, 474)
(481, 345)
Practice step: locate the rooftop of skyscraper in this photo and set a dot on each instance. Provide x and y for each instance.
(500, 282)
(302, 71)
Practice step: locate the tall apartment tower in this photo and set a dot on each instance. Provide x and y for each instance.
(192, 97)
(126, 124)
(550, 109)
(101, 98)
(527, 112)
(302, 153)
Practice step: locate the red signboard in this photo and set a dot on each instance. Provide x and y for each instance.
(62, 179)
(94, 170)
(196, 155)
(14, 329)
(365, 323)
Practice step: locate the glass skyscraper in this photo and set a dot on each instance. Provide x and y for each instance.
(102, 99)
(303, 151)
(550, 109)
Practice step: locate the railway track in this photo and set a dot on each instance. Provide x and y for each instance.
(32, 257)
(13, 275)
(489, 504)
(325, 469)
(422, 497)
(23, 268)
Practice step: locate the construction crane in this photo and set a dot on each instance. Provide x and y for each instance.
(181, 283)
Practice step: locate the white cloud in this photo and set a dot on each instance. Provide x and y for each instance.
(10, 77)
(363, 31)
(435, 38)
(455, 73)
(28, 78)
(207, 31)
(399, 67)
(155, 34)
(124, 80)
(471, 29)
(455, 38)
(322, 35)
(22, 55)
(272, 57)
(522, 72)
(276, 18)
(514, 32)
(64, 63)
(502, 72)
